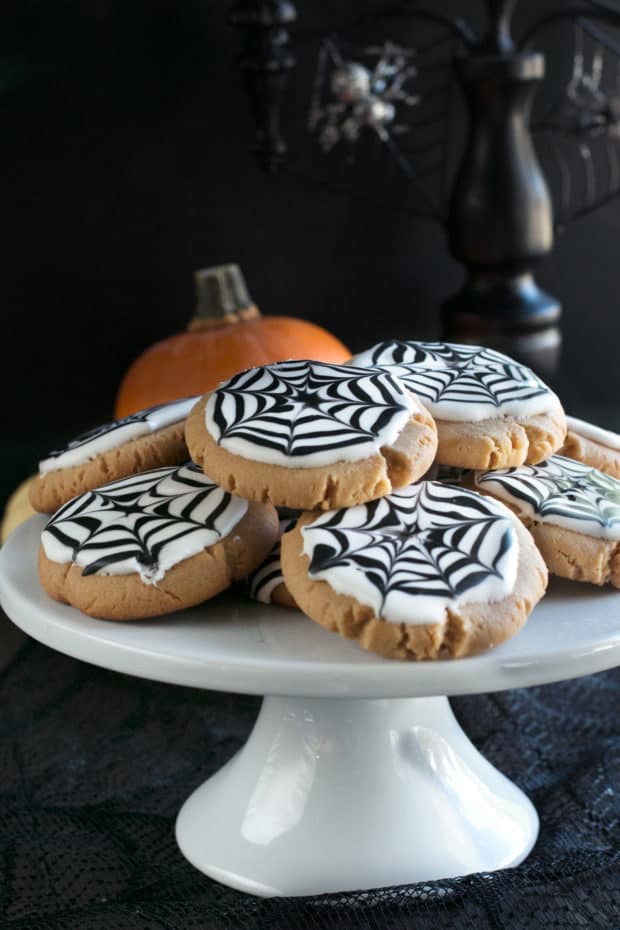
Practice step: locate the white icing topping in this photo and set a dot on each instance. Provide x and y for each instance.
(109, 436)
(303, 414)
(145, 523)
(560, 492)
(412, 554)
(462, 382)
(595, 433)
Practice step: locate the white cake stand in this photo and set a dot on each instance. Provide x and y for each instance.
(356, 774)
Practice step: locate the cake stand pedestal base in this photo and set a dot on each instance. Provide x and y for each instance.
(356, 774)
(336, 794)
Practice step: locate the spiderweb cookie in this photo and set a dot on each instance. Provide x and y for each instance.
(309, 435)
(147, 439)
(593, 446)
(429, 572)
(267, 584)
(152, 543)
(490, 411)
(571, 510)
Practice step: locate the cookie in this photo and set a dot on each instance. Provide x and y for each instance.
(429, 572)
(152, 543)
(17, 509)
(147, 439)
(267, 584)
(490, 411)
(571, 510)
(309, 435)
(593, 446)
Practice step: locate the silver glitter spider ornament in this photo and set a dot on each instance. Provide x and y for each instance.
(350, 97)
(351, 82)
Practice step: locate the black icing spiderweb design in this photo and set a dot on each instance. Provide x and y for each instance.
(141, 416)
(430, 540)
(138, 517)
(562, 488)
(437, 354)
(442, 372)
(299, 408)
(269, 575)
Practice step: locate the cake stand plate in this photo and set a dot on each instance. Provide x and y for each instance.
(356, 775)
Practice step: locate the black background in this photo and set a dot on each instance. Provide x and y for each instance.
(126, 164)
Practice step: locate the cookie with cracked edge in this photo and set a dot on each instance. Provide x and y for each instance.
(311, 436)
(151, 544)
(572, 511)
(500, 442)
(593, 446)
(490, 411)
(150, 438)
(452, 629)
(267, 584)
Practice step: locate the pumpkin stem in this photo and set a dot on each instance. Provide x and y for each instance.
(222, 297)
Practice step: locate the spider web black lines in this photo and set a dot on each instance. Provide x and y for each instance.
(439, 373)
(303, 409)
(578, 136)
(150, 419)
(561, 489)
(427, 541)
(397, 150)
(136, 522)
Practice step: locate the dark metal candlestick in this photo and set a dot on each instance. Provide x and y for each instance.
(500, 219)
(266, 59)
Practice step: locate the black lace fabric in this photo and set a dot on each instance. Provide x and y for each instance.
(94, 767)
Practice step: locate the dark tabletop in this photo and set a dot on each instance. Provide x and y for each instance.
(95, 765)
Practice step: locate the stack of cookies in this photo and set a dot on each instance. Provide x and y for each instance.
(310, 480)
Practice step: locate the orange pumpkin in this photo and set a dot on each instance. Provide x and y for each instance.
(227, 334)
